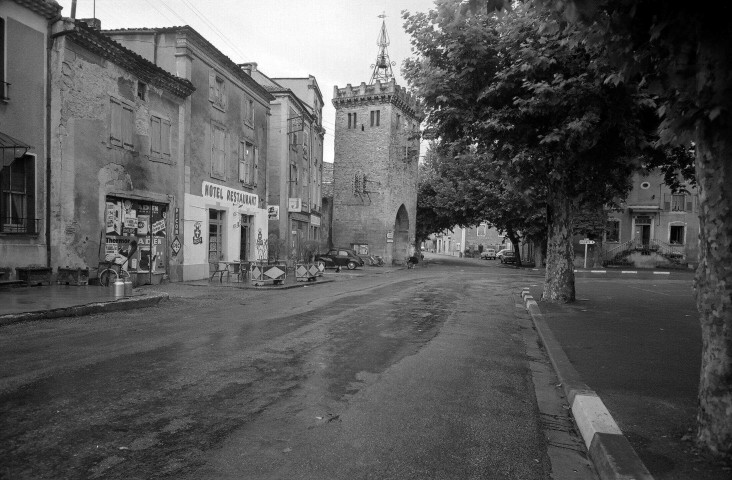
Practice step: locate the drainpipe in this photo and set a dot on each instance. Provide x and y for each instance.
(49, 47)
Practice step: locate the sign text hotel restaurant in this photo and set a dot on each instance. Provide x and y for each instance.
(226, 194)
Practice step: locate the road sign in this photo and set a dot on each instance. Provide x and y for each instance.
(587, 241)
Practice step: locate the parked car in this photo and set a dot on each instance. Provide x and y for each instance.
(508, 257)
(501, 252)
(341, 257)
(488, 254)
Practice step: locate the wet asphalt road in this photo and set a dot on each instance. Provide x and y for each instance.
(414, 374)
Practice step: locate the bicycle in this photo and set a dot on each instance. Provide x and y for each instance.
(106, 276)
(376, 261)
(110, 274)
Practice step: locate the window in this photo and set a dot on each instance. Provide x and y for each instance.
(141, 91)
(248, 163)
(612, 231)
(677, 203)
(676, 235)
(122, 124)
(218, 152)
(375, 114)
(3, 84)
(399, 122)
(217, 90)
(17, 196)
(482, 230)
(248, 111)
(159, 137)
(352, 120)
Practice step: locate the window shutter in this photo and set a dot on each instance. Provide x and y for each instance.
(155, 136)
(689, 204)
(256, 166)
(212, 85)
(165, 138)
(128, 126)
(115, 127)
(666, 202)
(30, 193)
(224, 97)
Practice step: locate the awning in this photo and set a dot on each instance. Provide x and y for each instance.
(12, 148)
(644, 208)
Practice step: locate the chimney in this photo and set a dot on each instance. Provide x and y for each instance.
(249, 67)
(93, 23)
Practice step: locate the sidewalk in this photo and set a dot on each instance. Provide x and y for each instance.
(18, 304)
(627, 354)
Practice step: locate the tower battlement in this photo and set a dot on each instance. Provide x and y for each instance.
(378, 92)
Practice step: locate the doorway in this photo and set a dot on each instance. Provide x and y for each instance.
(215, 235)
(244, 242)
(401, 235)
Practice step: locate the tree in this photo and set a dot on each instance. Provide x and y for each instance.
(456, 188)
(683, 52)
(540, 108)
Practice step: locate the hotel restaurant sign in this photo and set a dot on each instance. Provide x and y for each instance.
(229, 195)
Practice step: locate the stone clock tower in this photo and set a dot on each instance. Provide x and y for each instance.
(375, 164)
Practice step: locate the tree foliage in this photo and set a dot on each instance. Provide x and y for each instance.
(681, 52)
(543, 111)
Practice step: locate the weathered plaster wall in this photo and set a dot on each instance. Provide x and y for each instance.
(86, 167)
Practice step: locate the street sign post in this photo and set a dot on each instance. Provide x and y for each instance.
(585, 242)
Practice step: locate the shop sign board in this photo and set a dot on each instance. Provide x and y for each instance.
(314, 220)
(294, 205)
(231, 195)
(273, 212)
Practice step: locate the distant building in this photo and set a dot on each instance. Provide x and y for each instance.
(471, 241)
(653, 226)
(375, 165)
(224, 175)
(24, 54)
(295, 163)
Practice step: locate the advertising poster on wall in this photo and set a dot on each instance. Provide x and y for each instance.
(143, 222)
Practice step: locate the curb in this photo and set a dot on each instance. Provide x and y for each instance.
(608, 449)
(145, 300)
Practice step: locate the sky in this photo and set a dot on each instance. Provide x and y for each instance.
(333, 40)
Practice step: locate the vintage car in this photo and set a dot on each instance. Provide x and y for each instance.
(340, 257)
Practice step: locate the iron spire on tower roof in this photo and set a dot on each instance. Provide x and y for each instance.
(382, 67)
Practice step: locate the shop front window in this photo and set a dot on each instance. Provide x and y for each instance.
(145, 222)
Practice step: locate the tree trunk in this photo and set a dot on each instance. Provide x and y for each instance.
(559, 279)
(713, 284)
(597, 253)
(538, 254)
(514, 239)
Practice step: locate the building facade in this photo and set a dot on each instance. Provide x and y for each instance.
(653, 226)
(295, 167)
(24, 231)
(224, 140)
(375, 170)
(116, 157)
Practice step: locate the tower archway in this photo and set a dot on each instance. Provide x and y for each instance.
(400, 250)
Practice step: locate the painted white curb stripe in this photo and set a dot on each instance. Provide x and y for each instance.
(629, 271)
(592, 417)
(662, 273)
(598, 271)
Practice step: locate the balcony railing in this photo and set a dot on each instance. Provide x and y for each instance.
(18, 225)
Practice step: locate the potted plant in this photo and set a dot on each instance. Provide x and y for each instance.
(72, 276)
(306, 268)
(268, 269)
